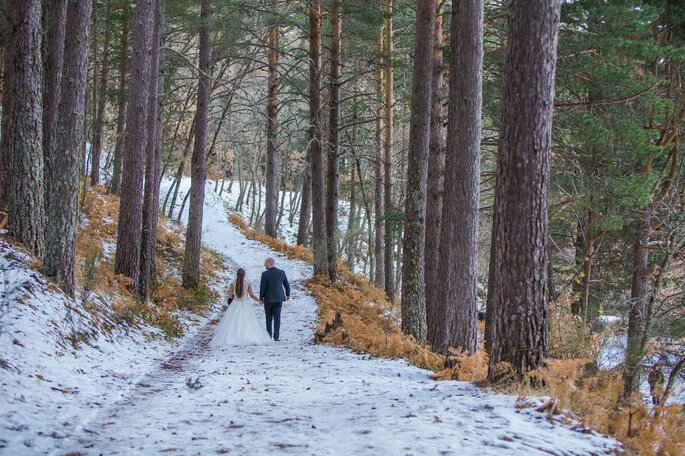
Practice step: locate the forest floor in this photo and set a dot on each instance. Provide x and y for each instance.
(291, 397)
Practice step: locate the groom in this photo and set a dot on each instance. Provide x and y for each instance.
(271, 295)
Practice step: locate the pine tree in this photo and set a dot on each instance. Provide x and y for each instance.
(54, 17)
(101, 102)
(315, 141)
(62, 220)
(458, 266)
(127, 258)
(191, 259)
(413, 280)
(148, 244)
(115, 185)
(333, 174)
(517, 289)
(22, 153)
(272, 157)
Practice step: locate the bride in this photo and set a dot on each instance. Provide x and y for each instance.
(239, 325)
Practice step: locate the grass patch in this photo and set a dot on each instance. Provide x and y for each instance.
(95, 241)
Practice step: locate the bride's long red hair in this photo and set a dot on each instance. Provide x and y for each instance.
(239, 283)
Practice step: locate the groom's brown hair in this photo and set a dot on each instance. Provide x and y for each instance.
(239, 283)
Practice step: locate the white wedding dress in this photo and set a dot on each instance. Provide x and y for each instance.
(240, 325)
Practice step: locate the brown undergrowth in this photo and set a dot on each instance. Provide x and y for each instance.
(95, 244)
(355, 314)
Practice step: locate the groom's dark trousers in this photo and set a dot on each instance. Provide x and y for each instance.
(273, 290)
(273, 314)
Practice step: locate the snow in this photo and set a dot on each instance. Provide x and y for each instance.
(50, 389)
(141, 396)
(286, 231)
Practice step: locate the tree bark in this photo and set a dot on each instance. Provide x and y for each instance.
(333, 174)
(435, 186)
(272, 158)
(115, 186)
(639, 294)
(152, 161)
(305, 203)
(413, 260)
(22, 129)
(315, 141)
(314, 146)
(387, 163)
(458, 271)
(54, 14)
(517, 292)
(127, 257)
(96, 148)
(64, 186)
(191, 260)
(378, 204)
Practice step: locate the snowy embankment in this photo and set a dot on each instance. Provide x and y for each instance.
(50, 389)
(294, 397)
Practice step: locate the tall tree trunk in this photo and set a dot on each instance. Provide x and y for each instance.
(22, 129)
(435, 187)
(387, 163)
(115, 186)
(585, 243)
(379, 207)
(272, 159)
(314, 106)
(96, 148)
(191, 260)
(127, 257)
(152, 160)
(54, 14)
(305, 203)
(64, 186)
(413, 260)
(333, 175)
(315, 142)
(350, 235)
(458, 271)
(518, 289)
(639, 295)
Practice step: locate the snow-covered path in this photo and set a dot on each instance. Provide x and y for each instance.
(296, 397)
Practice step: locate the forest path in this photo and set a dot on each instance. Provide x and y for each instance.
(296, 397)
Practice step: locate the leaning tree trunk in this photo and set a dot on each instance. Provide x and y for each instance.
(379, 207)
(315, 142)
(96, 149)
(191, 259)
(272, 159)
(333, 174)
(518, 288)
(387, 163)
(22, 129)
(435, 186)
(60, 251)
(456, 306)
(413, 260)
(54, 14)
(152, 161)
(115, 185)
(127, 257)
